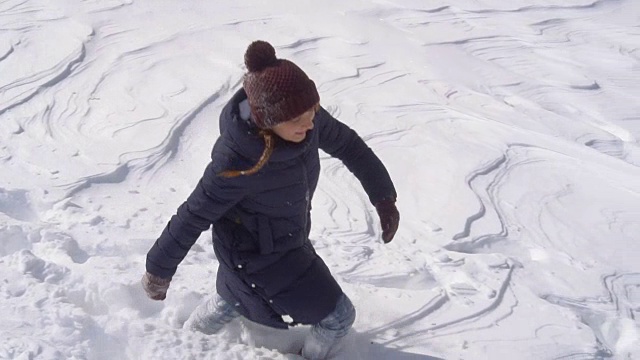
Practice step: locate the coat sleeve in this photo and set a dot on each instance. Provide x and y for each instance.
(342, 142)
(212, 197)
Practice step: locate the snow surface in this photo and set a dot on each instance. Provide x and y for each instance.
(511, 130)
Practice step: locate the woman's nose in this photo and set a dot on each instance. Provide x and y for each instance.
(309, 124)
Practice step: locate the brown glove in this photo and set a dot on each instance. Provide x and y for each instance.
(155, 286)
(389, 218)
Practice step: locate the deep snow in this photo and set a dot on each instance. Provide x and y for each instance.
(511, 130)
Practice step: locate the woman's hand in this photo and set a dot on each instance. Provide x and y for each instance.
(155, 286)
(389, 218)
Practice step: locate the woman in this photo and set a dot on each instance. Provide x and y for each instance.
(257, 193)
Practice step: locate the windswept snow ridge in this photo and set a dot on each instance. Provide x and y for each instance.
(511, 130)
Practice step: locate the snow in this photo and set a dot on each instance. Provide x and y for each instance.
(511, 130)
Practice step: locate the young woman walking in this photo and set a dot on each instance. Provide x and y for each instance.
(256, 192)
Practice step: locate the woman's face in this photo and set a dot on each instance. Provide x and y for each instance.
(295, 130)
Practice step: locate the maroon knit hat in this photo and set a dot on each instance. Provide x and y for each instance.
(278, 90)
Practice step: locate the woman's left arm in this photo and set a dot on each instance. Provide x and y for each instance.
(342, 142)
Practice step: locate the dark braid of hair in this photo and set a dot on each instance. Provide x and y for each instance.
(269, 144)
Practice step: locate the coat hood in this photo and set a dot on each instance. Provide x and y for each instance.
(244, 137)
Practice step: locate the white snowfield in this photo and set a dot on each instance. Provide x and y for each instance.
(510, 128)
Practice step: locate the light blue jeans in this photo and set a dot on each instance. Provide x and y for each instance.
(324, 337)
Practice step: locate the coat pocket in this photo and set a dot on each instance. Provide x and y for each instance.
(265, 235)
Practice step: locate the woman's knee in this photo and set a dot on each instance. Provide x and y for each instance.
(339, 321)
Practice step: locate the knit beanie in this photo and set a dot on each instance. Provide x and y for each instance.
(277, 89)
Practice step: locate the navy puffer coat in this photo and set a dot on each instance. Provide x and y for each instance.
(261, 222)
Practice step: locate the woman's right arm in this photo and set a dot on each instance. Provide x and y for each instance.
(213, 196)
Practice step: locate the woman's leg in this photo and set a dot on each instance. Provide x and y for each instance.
(211, 316)
(327, 334)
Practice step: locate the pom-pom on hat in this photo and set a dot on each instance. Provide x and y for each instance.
(277, 89)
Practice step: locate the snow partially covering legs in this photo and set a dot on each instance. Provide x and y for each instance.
(211, 316)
